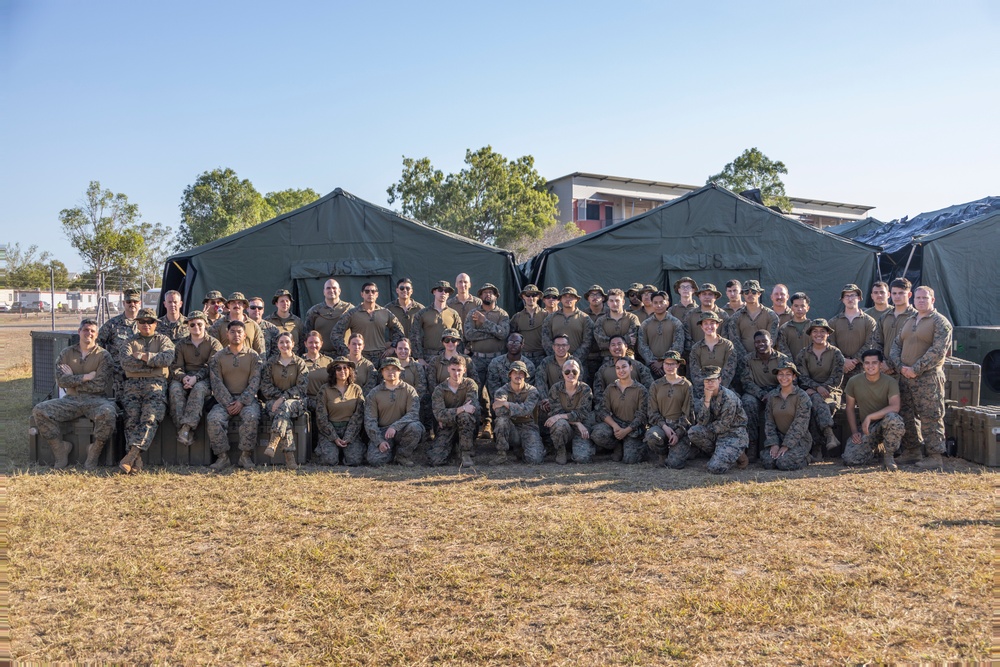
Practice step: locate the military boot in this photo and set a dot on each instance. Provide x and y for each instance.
(619, 452)
(221, 463)
(931, 462)
(561, 455)
(61, 450)
(499, 459)
(405, 461)
(290, 461)
(888, 463)
(816, 453)
(911, 456)
(831, 440)
(743, 461)
(467, 460)
(246, 461)
(661, 460)
(94, 454)
(272, 445)
(127, 464)
(184, 437)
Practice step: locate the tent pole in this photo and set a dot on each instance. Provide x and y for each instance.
(913, 249)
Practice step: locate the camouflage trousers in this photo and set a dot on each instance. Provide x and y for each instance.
(401, 446)
(822, 411)
(328, 453)
(482, 366)
(566, 436)
(524, 435)
(281, 420)
(98, 409)
(796, 458)
(888, 431)
(462, 430)
(217, 423)
(922, 406)
(754, 407)
(724, 449)
(677, 455)
(144, 401)
(633, 448)
(187, 405)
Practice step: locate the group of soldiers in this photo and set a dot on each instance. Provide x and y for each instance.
(618, 371)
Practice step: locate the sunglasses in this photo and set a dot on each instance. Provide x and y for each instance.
(256, 308)
(404, 289)
(370, 291)
(570, 372)
(342, 368)
(450, 340)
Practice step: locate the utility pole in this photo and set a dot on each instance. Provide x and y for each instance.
(52, 296)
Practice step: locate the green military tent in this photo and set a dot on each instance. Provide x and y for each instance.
(341, 236)
(711, 235)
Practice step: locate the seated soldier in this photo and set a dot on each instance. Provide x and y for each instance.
(757, 376)
(340, 416)
(711, 350)
(392, 418)
(821, 373)
(571, 415)
(234, 373)
(621, 416)
(283, 383)
(786, 423)
(84, 371)
(414, 374)
(876, 396)
(457, 412)
(189, 385)
(499, 369)
(146, 363)
(437, 371)
(669, 415)
(720, 424)
(516, 407)
(316, 366)
(607, 374)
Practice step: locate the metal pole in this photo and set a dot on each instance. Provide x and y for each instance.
(52, 296)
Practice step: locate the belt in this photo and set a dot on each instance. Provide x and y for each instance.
(486, 355)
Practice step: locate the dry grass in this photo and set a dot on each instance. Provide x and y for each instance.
(588, 565)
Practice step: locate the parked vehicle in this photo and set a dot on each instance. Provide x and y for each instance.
(4, 308)
(39, 307)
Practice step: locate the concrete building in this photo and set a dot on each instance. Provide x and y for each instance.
(596, 201)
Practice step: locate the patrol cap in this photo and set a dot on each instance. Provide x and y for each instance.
(598, 289)
(531, 290)
(851, 287)
(709, 316)
(681, 281)
(550, 292)
(488, 286)
(198, 315)
(280, 293)
(391, 361)
(146, 314)
(214, 296)
(647, 288)
(569, 291)
(340, 361)
(709, 287)
(673, 355)
(132, 294)
(519, 366)
(451, 333)
(634, 287)
(818, 323)
(238, 296)
(443, 285)
(786, 365)
(712, 372)
(752, 286)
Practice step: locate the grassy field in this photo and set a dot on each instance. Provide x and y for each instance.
(515, 565)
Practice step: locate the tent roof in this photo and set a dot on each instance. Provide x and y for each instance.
(898, 234)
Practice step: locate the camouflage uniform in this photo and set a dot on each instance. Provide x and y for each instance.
(814, 375)
(254, 335)
(426, 329)
(606, 377)
(852, 337)
(922, 398)
(218, 418)
(452, 425)
(405, 316)
(186, 405)
(84, 398)
(292, 324)
(144, 398)
(379, 327)
(173, 330)
(577, 326)
(796, 437)
(270, 333)
(663, 395)
(579, 409)
(324, 318)
(758, 381)
(654, 342)
(607, 327)
(888, 430)
(740, 328)
(499, 372)
(720, 430)
(273, 378)
(327, 451)
(632, 404)
(113, 337)
(724, 356)
(409, 431)
(518, 423)
(529, 325)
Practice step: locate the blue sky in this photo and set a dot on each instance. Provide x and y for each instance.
(889, 104)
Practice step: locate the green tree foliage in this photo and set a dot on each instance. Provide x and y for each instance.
(493, 200)
(157, 248)
(28, 268)
(752, 170)
(289, 200)
(217, 204)
(106, 231)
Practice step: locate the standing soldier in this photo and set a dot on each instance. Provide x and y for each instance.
(430, 323)
(404, 307)
(597, 300)
(117, 332)
(236, 306)
(758, 379)
(793, 335)
(550, 302)
(570, 321)
(486, 329)
(685, 288)
(173, 325)
(779, 303)
(377, 324)
(462, 301)
(189, 384)
(213, 305)
(734, 298)
(528, 323)
(148, 356)
(853, 331)
(499, 370)
(711, 350)
(285, 320)
(880, 297)
(745, 322)
(615, 322)
(234, 373)
(268, 330)
(392, 418)
(707, 296)
(669, 415)
(660, 333)
(323, 317)
(891, 323)
(918, 353)
(720, 425)
(455, 404)
(84, 371)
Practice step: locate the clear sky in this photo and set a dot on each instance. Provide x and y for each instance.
(889, 104)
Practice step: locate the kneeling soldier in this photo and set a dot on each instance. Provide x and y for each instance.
(720, 428)
(516, 407)
(392, 418)
(571, 410)
(877, 398)
(787, 440)
(455, 404)
(670, 415)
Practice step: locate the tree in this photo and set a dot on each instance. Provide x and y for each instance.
(493, 200)
(217, 204)
(289, 200)
(154, 255)
(106, 231)
(27, 268)
(526, 247)
(752, 170)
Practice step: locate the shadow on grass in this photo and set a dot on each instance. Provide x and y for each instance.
(15, 408)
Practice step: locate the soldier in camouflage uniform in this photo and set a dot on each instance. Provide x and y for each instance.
(404, 307)
(237, 305)
(499, 369)
(285, 320)
(255, 312)
(516, 407)
(853, 331)
(876, 396)
(621, 414)
(340, 416)
(571, 415)
(787, 440)
(745, 322)
(189, 386)
(918, 355)
(614, 322)
(711, 350)
(720, 424)
(430, 323)
(572, 322)
(84, 371)
(213, 306)
(606, 374)
(758, 379)
(528, 323)
(455, 403)
(283, 381)
(821, 374)
(235, 374)
(173, 325)
(116, 333)
(669, 415)
(146, 363)
(323, 317)
(392, 418)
